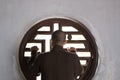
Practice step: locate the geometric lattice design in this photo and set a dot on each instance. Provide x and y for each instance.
(77, 36)
(69, 37)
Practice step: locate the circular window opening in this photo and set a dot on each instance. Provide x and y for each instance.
(77, 35)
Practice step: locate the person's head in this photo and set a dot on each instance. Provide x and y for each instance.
(58, 38)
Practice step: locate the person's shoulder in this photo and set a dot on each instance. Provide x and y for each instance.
(43, 54)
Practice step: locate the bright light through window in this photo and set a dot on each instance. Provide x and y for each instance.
(47, 40)
(56, 26)
(78, 37)
(68, 29)
(44, 28)
(83, 62)
(77, 45)
(27, 54)
(83, 54)
(38, 77)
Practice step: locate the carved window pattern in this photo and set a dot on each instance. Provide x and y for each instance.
(77, 35)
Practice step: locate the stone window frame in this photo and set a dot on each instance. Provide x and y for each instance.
(90, 45)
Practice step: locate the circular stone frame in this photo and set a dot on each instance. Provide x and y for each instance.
(28, 37)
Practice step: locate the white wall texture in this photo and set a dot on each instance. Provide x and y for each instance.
(100, 16)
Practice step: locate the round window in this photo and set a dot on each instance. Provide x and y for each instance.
(77, 36)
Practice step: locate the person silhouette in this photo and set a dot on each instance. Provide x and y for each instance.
(57, 64)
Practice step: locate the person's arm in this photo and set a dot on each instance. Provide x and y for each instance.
(34, 66)
(33, 63)
(34, 54)
(77, 68)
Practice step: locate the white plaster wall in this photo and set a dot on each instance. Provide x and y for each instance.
(101, 17)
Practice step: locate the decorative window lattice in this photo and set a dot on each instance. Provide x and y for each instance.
(77, 36)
